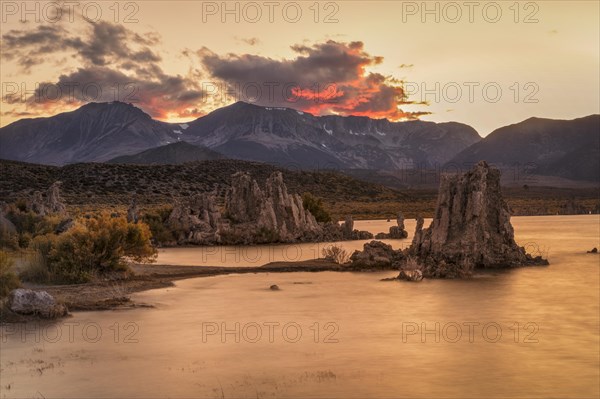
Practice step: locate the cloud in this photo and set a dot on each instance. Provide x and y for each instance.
(323, 78)
(115, 63)
(31, 48)
(251, 41)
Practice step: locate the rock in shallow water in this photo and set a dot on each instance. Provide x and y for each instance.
(410, 275)
(40, 303)
(471, 228)
(396, 232)
(376, 255)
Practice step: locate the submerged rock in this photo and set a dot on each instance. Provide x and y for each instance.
(471, 228)
(410, 275)
(40, 303)
(274, 287)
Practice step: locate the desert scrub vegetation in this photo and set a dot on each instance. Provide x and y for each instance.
(157, 219)
(8, 279)
(95, 246)
(315, 206)
(27, 225)
(336, 254)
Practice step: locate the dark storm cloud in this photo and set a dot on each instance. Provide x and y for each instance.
(115, 64)
(104, 43)
(322, 78)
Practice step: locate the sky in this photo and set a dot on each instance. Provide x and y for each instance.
(486, 64)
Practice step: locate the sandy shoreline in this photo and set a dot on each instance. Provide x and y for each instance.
(114, 294)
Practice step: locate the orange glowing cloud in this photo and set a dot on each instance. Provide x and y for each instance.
(324, 78)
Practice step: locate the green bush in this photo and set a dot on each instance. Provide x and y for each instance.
(156, 220)
(100, 245)
(315, 206)
(93, 246)
(37, 268)
(8, 279)
(28, 226)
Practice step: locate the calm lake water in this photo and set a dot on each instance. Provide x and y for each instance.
(530, 332)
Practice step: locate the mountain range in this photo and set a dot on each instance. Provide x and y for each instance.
(98, 132)
(122, 133)
(564, 148)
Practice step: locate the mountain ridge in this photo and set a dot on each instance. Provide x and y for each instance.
(554, 147)
(169, 154)
(98, 132)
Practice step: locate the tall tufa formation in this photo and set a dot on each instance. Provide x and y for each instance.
(244, 199)
(251, 215)
(133, 212)
(197, 221)
(284, 212)
(55, 203)
(265, 216)
(52, 205)
(471, 228)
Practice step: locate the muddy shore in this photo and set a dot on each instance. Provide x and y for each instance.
(114, 294)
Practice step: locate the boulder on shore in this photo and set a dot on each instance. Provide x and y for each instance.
(38, 303)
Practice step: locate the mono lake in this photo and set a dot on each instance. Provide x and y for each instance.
(528, 332)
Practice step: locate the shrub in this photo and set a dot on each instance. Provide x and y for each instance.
(156, 220)
(24, 239)
(100, 245)
(93, 246)
(29, 225)
(336, 254)
(37, 268)
(8, 279)
(315, 206)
